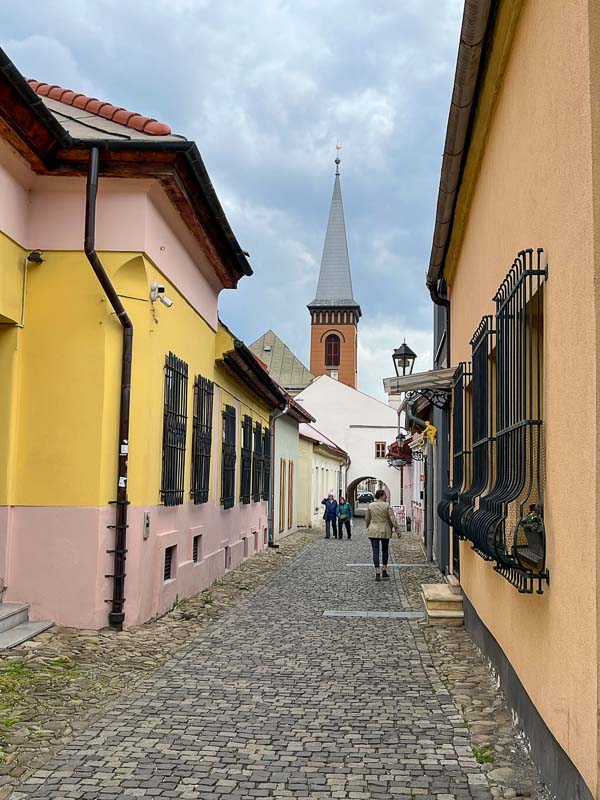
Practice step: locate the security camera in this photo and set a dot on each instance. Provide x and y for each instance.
(157, 292)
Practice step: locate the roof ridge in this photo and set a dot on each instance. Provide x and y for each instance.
(101, 108)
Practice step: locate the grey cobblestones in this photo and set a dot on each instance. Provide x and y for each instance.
(279, 701)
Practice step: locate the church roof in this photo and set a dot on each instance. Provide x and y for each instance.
(335, 281)
(282, 364)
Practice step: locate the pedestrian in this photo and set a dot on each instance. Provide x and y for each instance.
(344, 517)
(380, 521)
(330, 515)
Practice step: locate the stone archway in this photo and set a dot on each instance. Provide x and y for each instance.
(351, 491)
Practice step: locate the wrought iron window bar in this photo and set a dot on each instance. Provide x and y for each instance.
(460, 423)
(202, 439)
(502, 510)
(174, 431)
(246, 471)
(266, 483)
(228, 458)
(481, 433)
(257, 463)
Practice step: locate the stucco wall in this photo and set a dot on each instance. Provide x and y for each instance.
(534, 189)
(354, 421)
(286, 447)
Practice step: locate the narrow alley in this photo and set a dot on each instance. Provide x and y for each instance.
(306, 689)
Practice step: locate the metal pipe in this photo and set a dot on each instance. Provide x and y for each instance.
(116, 616)
(430, 466)
(445, 302)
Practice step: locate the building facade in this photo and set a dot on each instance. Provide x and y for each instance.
(334, 313)
(515, 266)
(127, 475)
(323, 468)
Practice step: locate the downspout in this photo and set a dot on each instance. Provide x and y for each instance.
(445, 302)
(272, 420)
(116, 616)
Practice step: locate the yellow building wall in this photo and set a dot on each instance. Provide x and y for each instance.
(534, 189)
(305, 464)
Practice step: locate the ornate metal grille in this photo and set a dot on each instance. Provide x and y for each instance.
(202, 438)
(246, 475)
(174, 431)
(228, 458)
(482, 431)
(257, 463)
(460, 422)
(266, 485)
(508, 526)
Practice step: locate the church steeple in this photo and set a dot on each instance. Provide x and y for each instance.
(334, 311)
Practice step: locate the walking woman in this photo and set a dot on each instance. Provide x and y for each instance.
(344, 515)
(380, 521)
(330, 515)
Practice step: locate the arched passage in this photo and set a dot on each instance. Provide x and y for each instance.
(367, 483)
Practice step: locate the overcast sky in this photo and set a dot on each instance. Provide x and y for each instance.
(266, 88)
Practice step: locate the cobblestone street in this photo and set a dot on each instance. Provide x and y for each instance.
(281, 699)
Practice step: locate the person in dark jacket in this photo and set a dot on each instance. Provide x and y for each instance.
(344, 516)
(330, 515)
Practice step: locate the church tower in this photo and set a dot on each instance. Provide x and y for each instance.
(334, 313)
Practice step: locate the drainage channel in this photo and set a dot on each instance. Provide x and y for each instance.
(384, 614)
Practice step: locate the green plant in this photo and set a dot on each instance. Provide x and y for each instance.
(483, 755)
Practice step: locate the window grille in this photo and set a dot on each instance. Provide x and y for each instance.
(460, 422)
(246, 472)
(168, 565)
(266, 485)
(196, 548)
(228, 458)
(332, 350)
(483, 427)
(202, 439)
(174, 431)
(506, 522)
(257, 463)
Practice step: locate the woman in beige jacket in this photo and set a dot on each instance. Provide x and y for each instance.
(380, 521)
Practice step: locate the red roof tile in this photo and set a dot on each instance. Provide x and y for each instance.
(94, 106)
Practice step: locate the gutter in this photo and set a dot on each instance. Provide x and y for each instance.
(116, 616)
(477, 20)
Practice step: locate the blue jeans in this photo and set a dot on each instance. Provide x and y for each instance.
(385, 550)
(328, 523)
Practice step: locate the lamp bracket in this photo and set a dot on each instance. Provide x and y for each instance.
(440, 398)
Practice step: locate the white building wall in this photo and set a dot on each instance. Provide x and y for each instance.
(354, 421)
(286, 448)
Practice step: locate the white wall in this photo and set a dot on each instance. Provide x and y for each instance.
(354, 421)
(286, 447)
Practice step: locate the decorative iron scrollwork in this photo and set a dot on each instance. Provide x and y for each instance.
(440, 398)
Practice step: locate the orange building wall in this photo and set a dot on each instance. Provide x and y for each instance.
(348, 358)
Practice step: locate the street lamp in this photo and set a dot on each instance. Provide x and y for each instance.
(404, 360)
(400, 440)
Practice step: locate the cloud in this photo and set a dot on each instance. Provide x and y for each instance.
(266, 89)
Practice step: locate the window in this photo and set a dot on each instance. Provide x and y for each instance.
(202, 438)
(290, 495)
(380, 449)
(169, 563)
(197, 548)
(257, 463)
(266, 485)
(246, 472)
(228, 458)
(332, 350)
(500, 507)
(174, 431)
(282, 494)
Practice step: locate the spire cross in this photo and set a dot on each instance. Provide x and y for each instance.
(338, 147)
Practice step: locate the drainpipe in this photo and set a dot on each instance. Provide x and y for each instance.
(116, 615)
(443, 301)
(429, 480)
(272, 420)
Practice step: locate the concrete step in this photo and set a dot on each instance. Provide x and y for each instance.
(445, 617)
(22, 633)
(12, 614)
(454, 584)
(440, 597)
